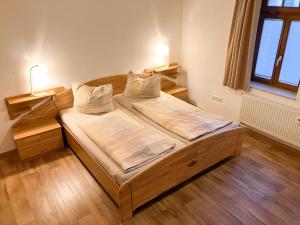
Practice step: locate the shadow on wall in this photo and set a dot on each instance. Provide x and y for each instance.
(183, 81)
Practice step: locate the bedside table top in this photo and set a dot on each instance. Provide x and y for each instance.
(34, 129)
(175, 90)
(19, 104)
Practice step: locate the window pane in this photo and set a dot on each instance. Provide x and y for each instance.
(290, 70)
(275, 2)
(268, 48)
(291, 3)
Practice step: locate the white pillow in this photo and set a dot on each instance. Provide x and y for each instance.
(142, 86)
(92, 100)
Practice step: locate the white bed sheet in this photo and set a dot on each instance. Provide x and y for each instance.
(70, 117)
(126, 102)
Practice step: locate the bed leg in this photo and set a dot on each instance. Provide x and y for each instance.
(125, 206)
(239, 146)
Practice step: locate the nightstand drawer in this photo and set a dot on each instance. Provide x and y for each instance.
(47, 146)
(38, 139)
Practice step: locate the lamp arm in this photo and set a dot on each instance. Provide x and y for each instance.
(31, 77)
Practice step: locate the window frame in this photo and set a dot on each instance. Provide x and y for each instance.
(287, 14)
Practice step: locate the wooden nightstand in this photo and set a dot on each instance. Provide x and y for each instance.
(171, 72)
(179, 92)
(36, 139)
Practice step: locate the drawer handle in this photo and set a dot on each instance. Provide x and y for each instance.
(193, 163)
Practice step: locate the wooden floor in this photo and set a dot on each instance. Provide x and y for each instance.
(260, 187)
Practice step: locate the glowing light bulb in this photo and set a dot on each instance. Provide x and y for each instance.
(162, 56)
(38, 78)
(164, 50)
(37, 71)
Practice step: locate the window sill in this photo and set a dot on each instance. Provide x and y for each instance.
(273, 90)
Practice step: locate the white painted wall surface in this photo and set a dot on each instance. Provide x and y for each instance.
(80, 40)
(205, 34)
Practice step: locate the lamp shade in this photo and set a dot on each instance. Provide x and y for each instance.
(37, 77)
(163, 53)
(37, 71)
(164, 50)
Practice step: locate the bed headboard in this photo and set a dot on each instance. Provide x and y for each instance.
(64, 100)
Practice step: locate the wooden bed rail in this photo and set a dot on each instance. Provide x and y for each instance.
(166, 174)
(182, 165)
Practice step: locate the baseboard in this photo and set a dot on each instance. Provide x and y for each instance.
(272, 139)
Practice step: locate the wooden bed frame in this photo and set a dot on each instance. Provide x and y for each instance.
(158, 178)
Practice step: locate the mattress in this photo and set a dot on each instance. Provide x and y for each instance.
(70, 117)
(127, 103)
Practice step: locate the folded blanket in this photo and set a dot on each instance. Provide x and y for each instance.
(126, 141)
(181, 118)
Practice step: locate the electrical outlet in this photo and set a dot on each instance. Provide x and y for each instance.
(217, 98)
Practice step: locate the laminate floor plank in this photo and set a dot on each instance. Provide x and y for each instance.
(261, 187)
(6, 213)
(22, 210)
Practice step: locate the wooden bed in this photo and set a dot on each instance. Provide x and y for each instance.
(158, 178)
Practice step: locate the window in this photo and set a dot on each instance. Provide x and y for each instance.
(277, 52)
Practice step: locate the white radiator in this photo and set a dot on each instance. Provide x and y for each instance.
(274, 119)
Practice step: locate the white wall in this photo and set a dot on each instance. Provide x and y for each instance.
(80, 40)
(206, 28)
(205, 34)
